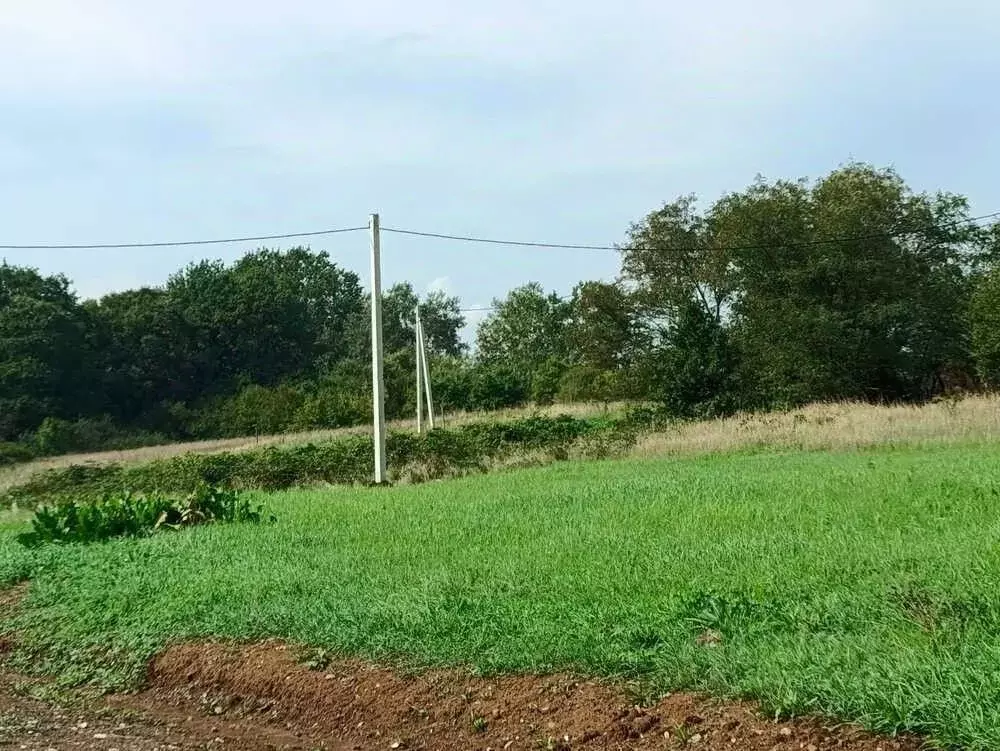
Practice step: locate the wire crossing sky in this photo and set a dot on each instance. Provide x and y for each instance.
(492, 241)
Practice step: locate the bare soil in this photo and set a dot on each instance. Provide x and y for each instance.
(201, 696)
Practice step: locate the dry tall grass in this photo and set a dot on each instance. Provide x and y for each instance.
(833, 426)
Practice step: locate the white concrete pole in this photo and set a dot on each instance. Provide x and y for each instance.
(378, 382)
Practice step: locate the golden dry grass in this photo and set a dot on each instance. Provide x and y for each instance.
(833, 426)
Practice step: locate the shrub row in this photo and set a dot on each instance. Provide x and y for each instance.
(14, 453)
(55, 436)
(439, 453)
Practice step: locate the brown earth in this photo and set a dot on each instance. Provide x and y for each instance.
(360, 706)
(264, 696)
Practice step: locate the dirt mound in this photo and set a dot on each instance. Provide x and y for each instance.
(360, 706)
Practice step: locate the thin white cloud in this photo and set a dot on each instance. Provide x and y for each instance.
(472, 320)
(441, 284)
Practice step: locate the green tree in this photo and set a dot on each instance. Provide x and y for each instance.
(143, 345)
(985, 327)
(528, 332)
(600, 331)
(271, 315)
(694, 368)
(545, 380)
(45, 366)
(439, 313)
(875, 316)
(672, 257)
(878, 313)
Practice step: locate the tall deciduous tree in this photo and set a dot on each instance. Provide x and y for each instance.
(671, 258)
(853, 287)
(527, 330)
(270, 316)
(601, 326)
(439, 313)
(985, 327)
(141, 340)
(866, 297)
(44, 361)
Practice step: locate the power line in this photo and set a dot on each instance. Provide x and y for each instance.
(565, 246)
(109, 246)
(494, 241)
(488, 241)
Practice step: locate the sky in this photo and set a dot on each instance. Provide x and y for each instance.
(136, 121)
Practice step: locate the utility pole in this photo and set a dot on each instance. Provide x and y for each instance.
(420, 370)
(427, 374)
(378, 382)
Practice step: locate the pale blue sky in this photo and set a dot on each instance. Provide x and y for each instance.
(133, 121)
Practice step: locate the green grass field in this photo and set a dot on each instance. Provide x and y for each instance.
(864, 585)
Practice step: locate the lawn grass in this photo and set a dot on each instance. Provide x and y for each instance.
(862, 585)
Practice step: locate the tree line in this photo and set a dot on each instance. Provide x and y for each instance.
(853, 286)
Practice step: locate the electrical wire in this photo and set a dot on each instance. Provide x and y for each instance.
(181, 243)
(494, 241)
(823, 241)
(488, 241)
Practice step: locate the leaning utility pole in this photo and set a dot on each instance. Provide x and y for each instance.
(422, 357)
(420, 370)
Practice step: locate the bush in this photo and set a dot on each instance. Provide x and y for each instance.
(588, 384)
(463, 386)
(694, 372)
(497, 387)
(257, 410)
(128, 515)
(15, 453)
(55, 436)
(545, 382)
(331, 408)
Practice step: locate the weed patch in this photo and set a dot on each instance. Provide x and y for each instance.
(135, 516)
